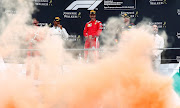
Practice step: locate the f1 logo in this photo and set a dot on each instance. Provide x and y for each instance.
(90, 4)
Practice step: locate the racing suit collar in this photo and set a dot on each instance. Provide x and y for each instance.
(55, 27)
(94, 20)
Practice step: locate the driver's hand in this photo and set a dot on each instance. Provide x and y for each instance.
(86, 37)
(90, 36)
(60, 26)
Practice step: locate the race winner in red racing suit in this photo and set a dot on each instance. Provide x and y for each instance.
(91, 32)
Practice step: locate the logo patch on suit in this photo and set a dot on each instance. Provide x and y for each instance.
(89, 25)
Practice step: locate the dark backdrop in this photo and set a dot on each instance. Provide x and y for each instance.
(164, 12)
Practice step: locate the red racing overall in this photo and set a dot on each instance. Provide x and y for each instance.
(94, 29)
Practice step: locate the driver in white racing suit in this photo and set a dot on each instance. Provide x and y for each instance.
(159, 43)
(58, 30)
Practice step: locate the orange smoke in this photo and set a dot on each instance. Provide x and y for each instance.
(124, 79)
(10, 104)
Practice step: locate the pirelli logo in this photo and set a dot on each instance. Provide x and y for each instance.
(89, 4)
